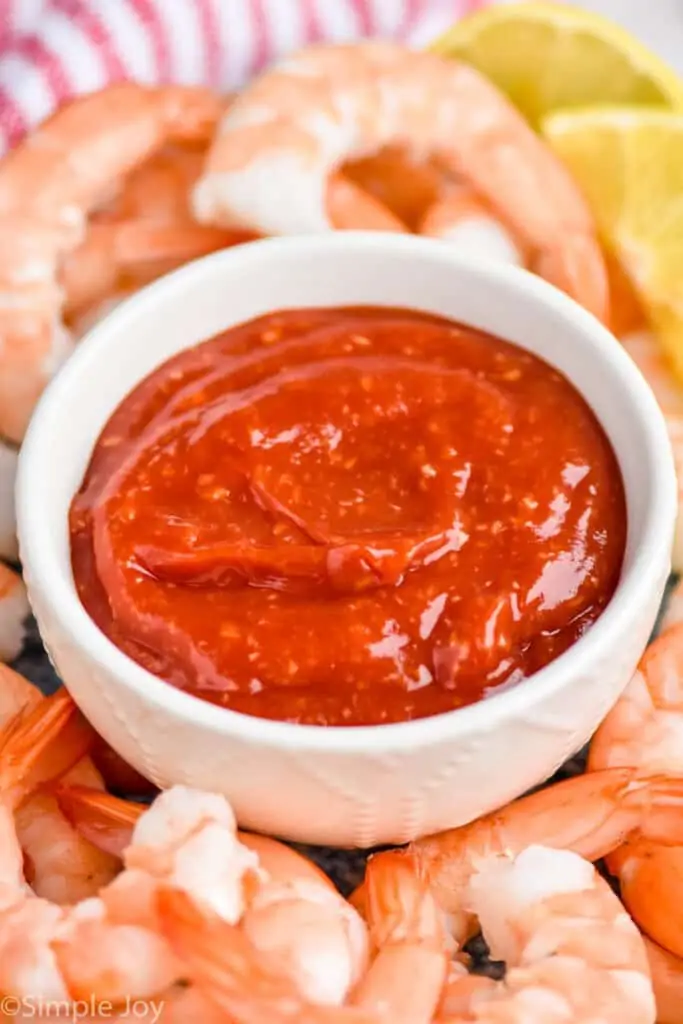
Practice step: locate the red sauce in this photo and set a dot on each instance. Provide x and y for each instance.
(349, 516)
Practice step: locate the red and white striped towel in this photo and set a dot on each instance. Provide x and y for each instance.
(52, 50)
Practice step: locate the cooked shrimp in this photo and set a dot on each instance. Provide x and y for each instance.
(464, 220)
(590, 815)
(8, 523)
(106, 821)
(90, 315)
(304, 927)
(461, 993)
(186, 839)
(14, 611)
(295, 125)
(627, 312)
(650, 359)
(159, 189)
(48, 185)
(407, 977)
(293, 914)
(129, 253)
(229, 970)
(667, 981)
(350, 208)
(39, 743)
(402, 182)
(572, 952)
(109, 947)
(644, 730)
(63, 866)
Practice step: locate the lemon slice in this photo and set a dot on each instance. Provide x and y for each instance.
(548, 56)
(629, 163)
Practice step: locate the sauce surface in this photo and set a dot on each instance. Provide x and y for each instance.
(349, 516)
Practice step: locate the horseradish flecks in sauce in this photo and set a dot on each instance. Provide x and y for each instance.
(349, 516)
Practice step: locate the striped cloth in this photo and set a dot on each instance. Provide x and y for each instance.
(52, 50)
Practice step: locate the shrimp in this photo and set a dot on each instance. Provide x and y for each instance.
(149, 231)
(299, 921)
(644, 730)
(130, 253)
(650, 359)
(403, 183)
(667, 981)
(230, 971)
(40, 742)
(277, 145)
(408, 974)
(63, 866)
(186, 840)
(572, 952)
(102, 819)
(464, 220)
(109, 947)
(590, 815)
(124, 255)
(48, 185)
(14, 612)
(293, 915)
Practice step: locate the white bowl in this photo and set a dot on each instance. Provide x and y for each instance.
(344, 786)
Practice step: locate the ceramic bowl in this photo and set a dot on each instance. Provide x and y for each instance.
(344, 786)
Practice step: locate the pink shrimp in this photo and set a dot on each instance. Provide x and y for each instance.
(590, 815)
(644, 730)
(667, 981)
(295, 125)
(404, 183)
(572, 952)
(40, 742)
(229, 970)
(406, 979)
(650, 359)
(463, 219)
(48, 185)
(300, 923)
(293, 914)
(64, 866)
(116, 255)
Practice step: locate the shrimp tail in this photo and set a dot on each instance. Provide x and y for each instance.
(191, 112)
(667, 981)
(349, 207)
(407, 976)
(105, 821)
(41, 743)
(578, 267)
(224, 965)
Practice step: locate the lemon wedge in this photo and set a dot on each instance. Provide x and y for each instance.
(628, 161)
(548, 56)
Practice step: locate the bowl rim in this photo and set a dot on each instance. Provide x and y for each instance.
(43, 570)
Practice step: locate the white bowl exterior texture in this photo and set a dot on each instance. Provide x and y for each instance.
(346, 787)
